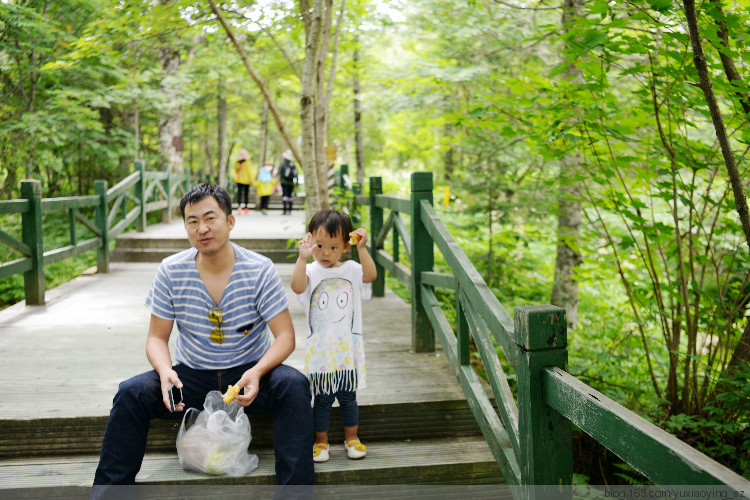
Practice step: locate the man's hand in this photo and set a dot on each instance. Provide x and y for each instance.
(250, 381)
(169, 378)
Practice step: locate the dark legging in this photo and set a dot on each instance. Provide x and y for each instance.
(264, 202)
(242, 194)
(322, 410)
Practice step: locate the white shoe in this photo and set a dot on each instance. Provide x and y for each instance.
(355, 450)
(320, 452)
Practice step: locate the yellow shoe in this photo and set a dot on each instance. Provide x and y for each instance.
(320, 452)
(355, 450)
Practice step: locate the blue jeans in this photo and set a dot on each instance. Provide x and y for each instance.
(283, 391)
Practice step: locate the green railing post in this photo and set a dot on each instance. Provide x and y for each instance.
(32, 235)
(356, 214)
(546, 459)
(423, 260)
(140, 194)
(376, 224)
(342, 176)
(166, 214)
(102, 253)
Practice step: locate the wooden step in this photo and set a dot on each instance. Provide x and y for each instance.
(81, 436)
(417, 461)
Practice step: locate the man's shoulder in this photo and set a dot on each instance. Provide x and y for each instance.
(249, 259)
(180, 258)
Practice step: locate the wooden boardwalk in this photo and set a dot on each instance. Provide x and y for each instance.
(62, 363)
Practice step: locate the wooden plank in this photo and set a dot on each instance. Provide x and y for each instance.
(403, 232)
(62, 253)
(152, 175)
(123, 186)
(88, 223)
(481, 297)
(17, 266)
(655, 453)
(156, 205)
(488, 421)
(397, 269)
(392, 203)
(65, 203)
(495, 374)
(15, 244)
(14, 207)
(442, 280)
(124, 223)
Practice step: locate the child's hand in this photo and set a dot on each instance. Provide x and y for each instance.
(306, 247)
(362, 238)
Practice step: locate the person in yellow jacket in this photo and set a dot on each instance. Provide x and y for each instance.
(244, 174)
(264, 185)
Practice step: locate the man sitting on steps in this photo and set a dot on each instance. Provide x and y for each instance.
(222, 298)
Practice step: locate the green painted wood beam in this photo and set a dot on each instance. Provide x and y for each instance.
(376, 225)
(423, 259)
(441, 280)
(66, 203)
(495, 374)
(31, 229)
(17, 266)
(399, 271)
(14, 207)
(15, 244)
(392, 203)
(484, 301)
(62, 253)
(122, 186)
(655, 453)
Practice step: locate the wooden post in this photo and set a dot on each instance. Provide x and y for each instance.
(355, 214)
(423, 260)
(376, 224)
(166, 214)
(342, 176)
(32, 236)
(102, 253)
(462, 330)
(140, 194)
(546, 459)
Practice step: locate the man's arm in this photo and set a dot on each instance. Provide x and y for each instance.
(157, 352)
(283, 345)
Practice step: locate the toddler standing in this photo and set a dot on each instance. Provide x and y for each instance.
(331, 292)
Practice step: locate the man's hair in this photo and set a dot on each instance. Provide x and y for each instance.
(334, 222)
(202, 191)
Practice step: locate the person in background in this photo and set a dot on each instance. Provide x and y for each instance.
(287, 179)
(244, 173)
(264, 185)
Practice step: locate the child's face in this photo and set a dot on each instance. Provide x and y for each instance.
(327, 249)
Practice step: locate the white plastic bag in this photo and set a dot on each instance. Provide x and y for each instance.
(215, 440)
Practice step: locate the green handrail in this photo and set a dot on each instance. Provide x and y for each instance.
(531, 440)
(115, 210)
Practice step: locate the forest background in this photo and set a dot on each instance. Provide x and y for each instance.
(583, 152)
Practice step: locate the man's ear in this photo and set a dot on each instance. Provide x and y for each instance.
(230, 221)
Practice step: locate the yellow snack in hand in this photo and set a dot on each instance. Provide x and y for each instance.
(232, 391)
(354, 237)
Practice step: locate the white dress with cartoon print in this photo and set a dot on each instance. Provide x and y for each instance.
(335, 354)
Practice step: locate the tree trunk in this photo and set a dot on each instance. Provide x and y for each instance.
(313, 24)
(358, 118)
(263, 136)
(320, 102)
(742, 351)
(565, 287)
(221, 112)
(170, 122)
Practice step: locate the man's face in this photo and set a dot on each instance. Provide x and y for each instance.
(327, 249)
(207, 225)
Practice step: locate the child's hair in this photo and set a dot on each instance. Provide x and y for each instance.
(334, 222)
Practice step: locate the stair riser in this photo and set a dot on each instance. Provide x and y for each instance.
(48, 437)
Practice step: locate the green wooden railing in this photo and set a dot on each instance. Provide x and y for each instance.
(114, 210)
(529, 434)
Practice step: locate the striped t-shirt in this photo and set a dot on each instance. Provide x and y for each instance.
(253, 296)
